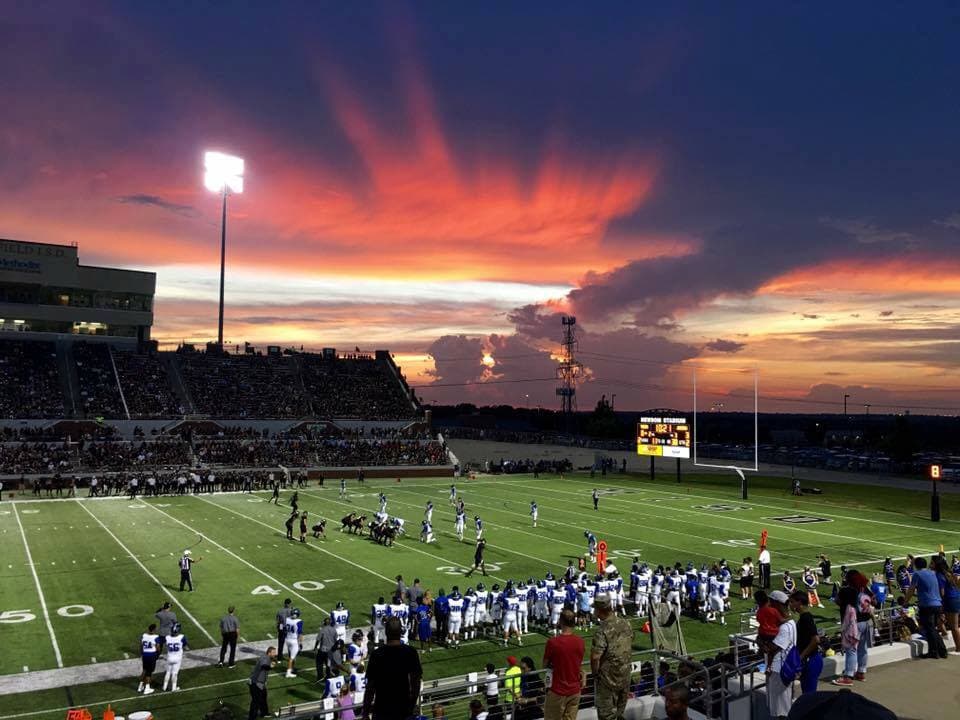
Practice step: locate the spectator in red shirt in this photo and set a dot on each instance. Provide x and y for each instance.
(564, 656)
(768, 618)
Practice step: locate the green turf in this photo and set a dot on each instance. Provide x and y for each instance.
(82, 556)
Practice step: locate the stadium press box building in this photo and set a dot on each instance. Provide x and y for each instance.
(45, 290)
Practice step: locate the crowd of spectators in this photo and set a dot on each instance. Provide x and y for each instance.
(243, 386)
(98, 389)
(355, 388)
(146, 385)
(29, 380)
(38, 433)
(327, 452)
(169, 452)
(124, 455)
(30, 458)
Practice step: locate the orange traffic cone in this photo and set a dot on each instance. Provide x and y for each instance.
(108, 714)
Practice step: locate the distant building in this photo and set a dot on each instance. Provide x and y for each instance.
(45, 290)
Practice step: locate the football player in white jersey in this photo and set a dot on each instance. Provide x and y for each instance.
(428, 512)
(333, 685)
(495, 605)
(356, 650)
(674, 582)
(358, 682)
(715, 603)
(399, 609)
(148, 658)
(176, 643)
(656, 586)
(383, 503)
(377, 613)
(453, 494)
(534, 511)
(460, 523)
(478, 525)
(558, 596)
(469, 614)
(294, 628)
(541, 604)
(455, 603)
(398, 524)
(341, 620)
(523, 594)
(481, 617)
(510, 613)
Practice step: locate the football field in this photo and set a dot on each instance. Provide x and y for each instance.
(81, 579)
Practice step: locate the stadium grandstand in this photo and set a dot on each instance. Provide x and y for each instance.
(83, 389)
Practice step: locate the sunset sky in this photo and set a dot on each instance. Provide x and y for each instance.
(726, 186)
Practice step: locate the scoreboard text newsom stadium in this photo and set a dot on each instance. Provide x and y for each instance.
(663, 437)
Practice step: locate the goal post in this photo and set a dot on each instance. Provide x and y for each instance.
(738, 469)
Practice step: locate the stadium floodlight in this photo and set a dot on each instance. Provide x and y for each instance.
(223, 174)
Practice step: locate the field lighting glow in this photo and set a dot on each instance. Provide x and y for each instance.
(223, 171)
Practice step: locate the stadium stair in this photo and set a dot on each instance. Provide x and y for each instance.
(176, 381)
(69, 379)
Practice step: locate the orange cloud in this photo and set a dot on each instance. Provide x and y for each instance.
(892, 275)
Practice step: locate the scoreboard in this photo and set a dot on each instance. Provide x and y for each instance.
(663, 437)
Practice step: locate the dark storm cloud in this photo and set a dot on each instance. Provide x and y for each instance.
(158, 202)
(725, 346)
(457, 359)
(733, 261)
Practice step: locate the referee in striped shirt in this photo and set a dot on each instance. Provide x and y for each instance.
(186, 576)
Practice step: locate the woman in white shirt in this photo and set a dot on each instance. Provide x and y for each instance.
(780, 694)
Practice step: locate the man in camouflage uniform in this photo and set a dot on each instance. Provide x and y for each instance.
(610, 660)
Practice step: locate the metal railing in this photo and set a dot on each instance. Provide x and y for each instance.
(523, 694)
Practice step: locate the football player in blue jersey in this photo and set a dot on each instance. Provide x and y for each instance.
(591, 545)
(424, 615)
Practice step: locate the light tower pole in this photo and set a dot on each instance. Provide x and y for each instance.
(223, 174)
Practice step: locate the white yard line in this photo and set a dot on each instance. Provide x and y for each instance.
(234, 555)
(309, 545)
(715, 517)
(43, 601)
(780, 509)
(151, 575)
(582, 546)
(404, 545)
(493, 547)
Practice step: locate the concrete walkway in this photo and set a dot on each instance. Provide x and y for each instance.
(913, 689)
(110, 671)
